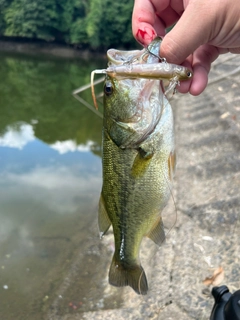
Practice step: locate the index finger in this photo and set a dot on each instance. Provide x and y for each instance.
(143, 22)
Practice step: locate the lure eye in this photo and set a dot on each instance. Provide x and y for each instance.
(108, 88)
(189, 74)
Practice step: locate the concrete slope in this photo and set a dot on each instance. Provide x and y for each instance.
(206, 238)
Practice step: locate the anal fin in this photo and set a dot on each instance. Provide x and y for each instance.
(103, 220)
(157, 233)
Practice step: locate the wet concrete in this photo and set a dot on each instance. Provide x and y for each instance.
(206, 235)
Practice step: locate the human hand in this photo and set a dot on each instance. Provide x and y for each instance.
(204, 30)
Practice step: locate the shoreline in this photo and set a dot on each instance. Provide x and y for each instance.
(44, 48)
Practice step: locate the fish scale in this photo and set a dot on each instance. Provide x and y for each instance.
(138, 162)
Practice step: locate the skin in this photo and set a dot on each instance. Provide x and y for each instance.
(204, 30)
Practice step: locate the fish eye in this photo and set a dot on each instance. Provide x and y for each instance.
(108, 88)
(189, 74)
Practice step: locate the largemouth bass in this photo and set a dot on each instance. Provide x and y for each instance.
(138, 159)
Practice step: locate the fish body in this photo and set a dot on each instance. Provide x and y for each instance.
(138, 162)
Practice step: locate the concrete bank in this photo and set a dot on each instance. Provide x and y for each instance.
(206, 191)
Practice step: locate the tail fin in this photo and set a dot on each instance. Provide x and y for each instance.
(135, 277)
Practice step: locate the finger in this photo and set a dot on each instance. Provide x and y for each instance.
(167, 17)
(188, 34)
(199, 81)
(234, 50)
(185, 85)
(143, 20)
(201, 64)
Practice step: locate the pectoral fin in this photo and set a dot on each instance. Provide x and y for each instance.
(157, 233)
(140, 165)
(103, 220)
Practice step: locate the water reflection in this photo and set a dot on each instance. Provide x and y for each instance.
(50, 179)
(17, 137)
(71, 146)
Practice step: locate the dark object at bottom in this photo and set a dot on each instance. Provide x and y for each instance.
(227, 305)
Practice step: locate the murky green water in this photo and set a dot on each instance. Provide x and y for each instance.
(50, 180)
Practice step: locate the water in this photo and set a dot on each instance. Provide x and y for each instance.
(50, 180)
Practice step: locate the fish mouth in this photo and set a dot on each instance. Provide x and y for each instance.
(152, 115)
(119, 57)
(147, 116)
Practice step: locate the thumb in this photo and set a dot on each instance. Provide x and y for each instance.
(192, 30)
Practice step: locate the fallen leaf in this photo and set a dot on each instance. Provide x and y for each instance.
(216, 279)
(225, 115)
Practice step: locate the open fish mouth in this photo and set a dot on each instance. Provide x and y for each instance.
(118, 57)
(137, 64)
(142, 64)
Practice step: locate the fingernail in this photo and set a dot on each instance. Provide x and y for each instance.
(145, 35)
